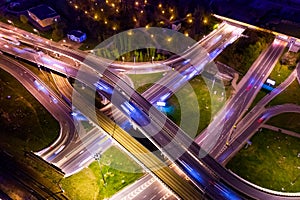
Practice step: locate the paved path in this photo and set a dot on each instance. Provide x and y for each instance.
(234, 81)
(288, 132)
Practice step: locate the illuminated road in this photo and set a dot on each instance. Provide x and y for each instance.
(199, 174)
(222, 126)
(64, 87)
(158, 168)
(185, 68)
(253, 115)
(245, 135)
(220, 41)
(145, 188)
(31, 184)
(80, 153)
(45, 96)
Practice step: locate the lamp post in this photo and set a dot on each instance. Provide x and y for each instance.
(97, 157)
(11, 22)
(213, 83)
(35, 30)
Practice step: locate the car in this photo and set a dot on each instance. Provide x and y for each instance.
(249, 87)
(53, 99)
(261, 119)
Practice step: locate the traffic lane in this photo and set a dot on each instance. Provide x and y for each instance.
(156, 191)
(146, 180)
(40, 60)
(64, 86)
(74, 146)
(298, 72)
(58, 112)
(96, 146)
(231, 103)
(249, 94)
(43, 95)
(235, 111)
(250, 131)
(146, 188)
(169, 84)
(244, 94)
(85, 158)
(258, 109)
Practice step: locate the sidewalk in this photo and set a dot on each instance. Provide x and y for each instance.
(277, 129)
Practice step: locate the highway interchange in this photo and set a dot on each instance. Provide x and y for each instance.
(247, 90)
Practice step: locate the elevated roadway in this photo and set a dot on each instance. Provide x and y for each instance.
(202, 175)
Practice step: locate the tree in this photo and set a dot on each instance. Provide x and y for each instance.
(23, 19)
(57, 34)
(141, 56)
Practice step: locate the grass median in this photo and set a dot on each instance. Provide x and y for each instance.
(288, 121)
(241, 54)
(290, 95)
(142, 82)
(118, 171)
(25, 123)
(193, 109)
(25, 126)
(272, 161)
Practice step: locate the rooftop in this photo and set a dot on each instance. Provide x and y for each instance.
(76, 33)
(43, 12)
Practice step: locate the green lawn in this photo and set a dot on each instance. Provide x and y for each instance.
(271, 161)
(25, 123)
(205, 103)
(27, 26)
(289, 121)
(260, 95)
(45, 76)
(87, 126)
(118, 169)
(241, 54)
(142, 82)
(90, 94)
(290, 95)
(280, 73)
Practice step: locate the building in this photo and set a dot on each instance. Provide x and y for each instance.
(43, 15)
(294, 45)
(76, 36)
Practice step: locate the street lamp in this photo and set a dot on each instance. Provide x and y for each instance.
(35, 30)
(213, 83)
(11, 22)
(97, 157)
